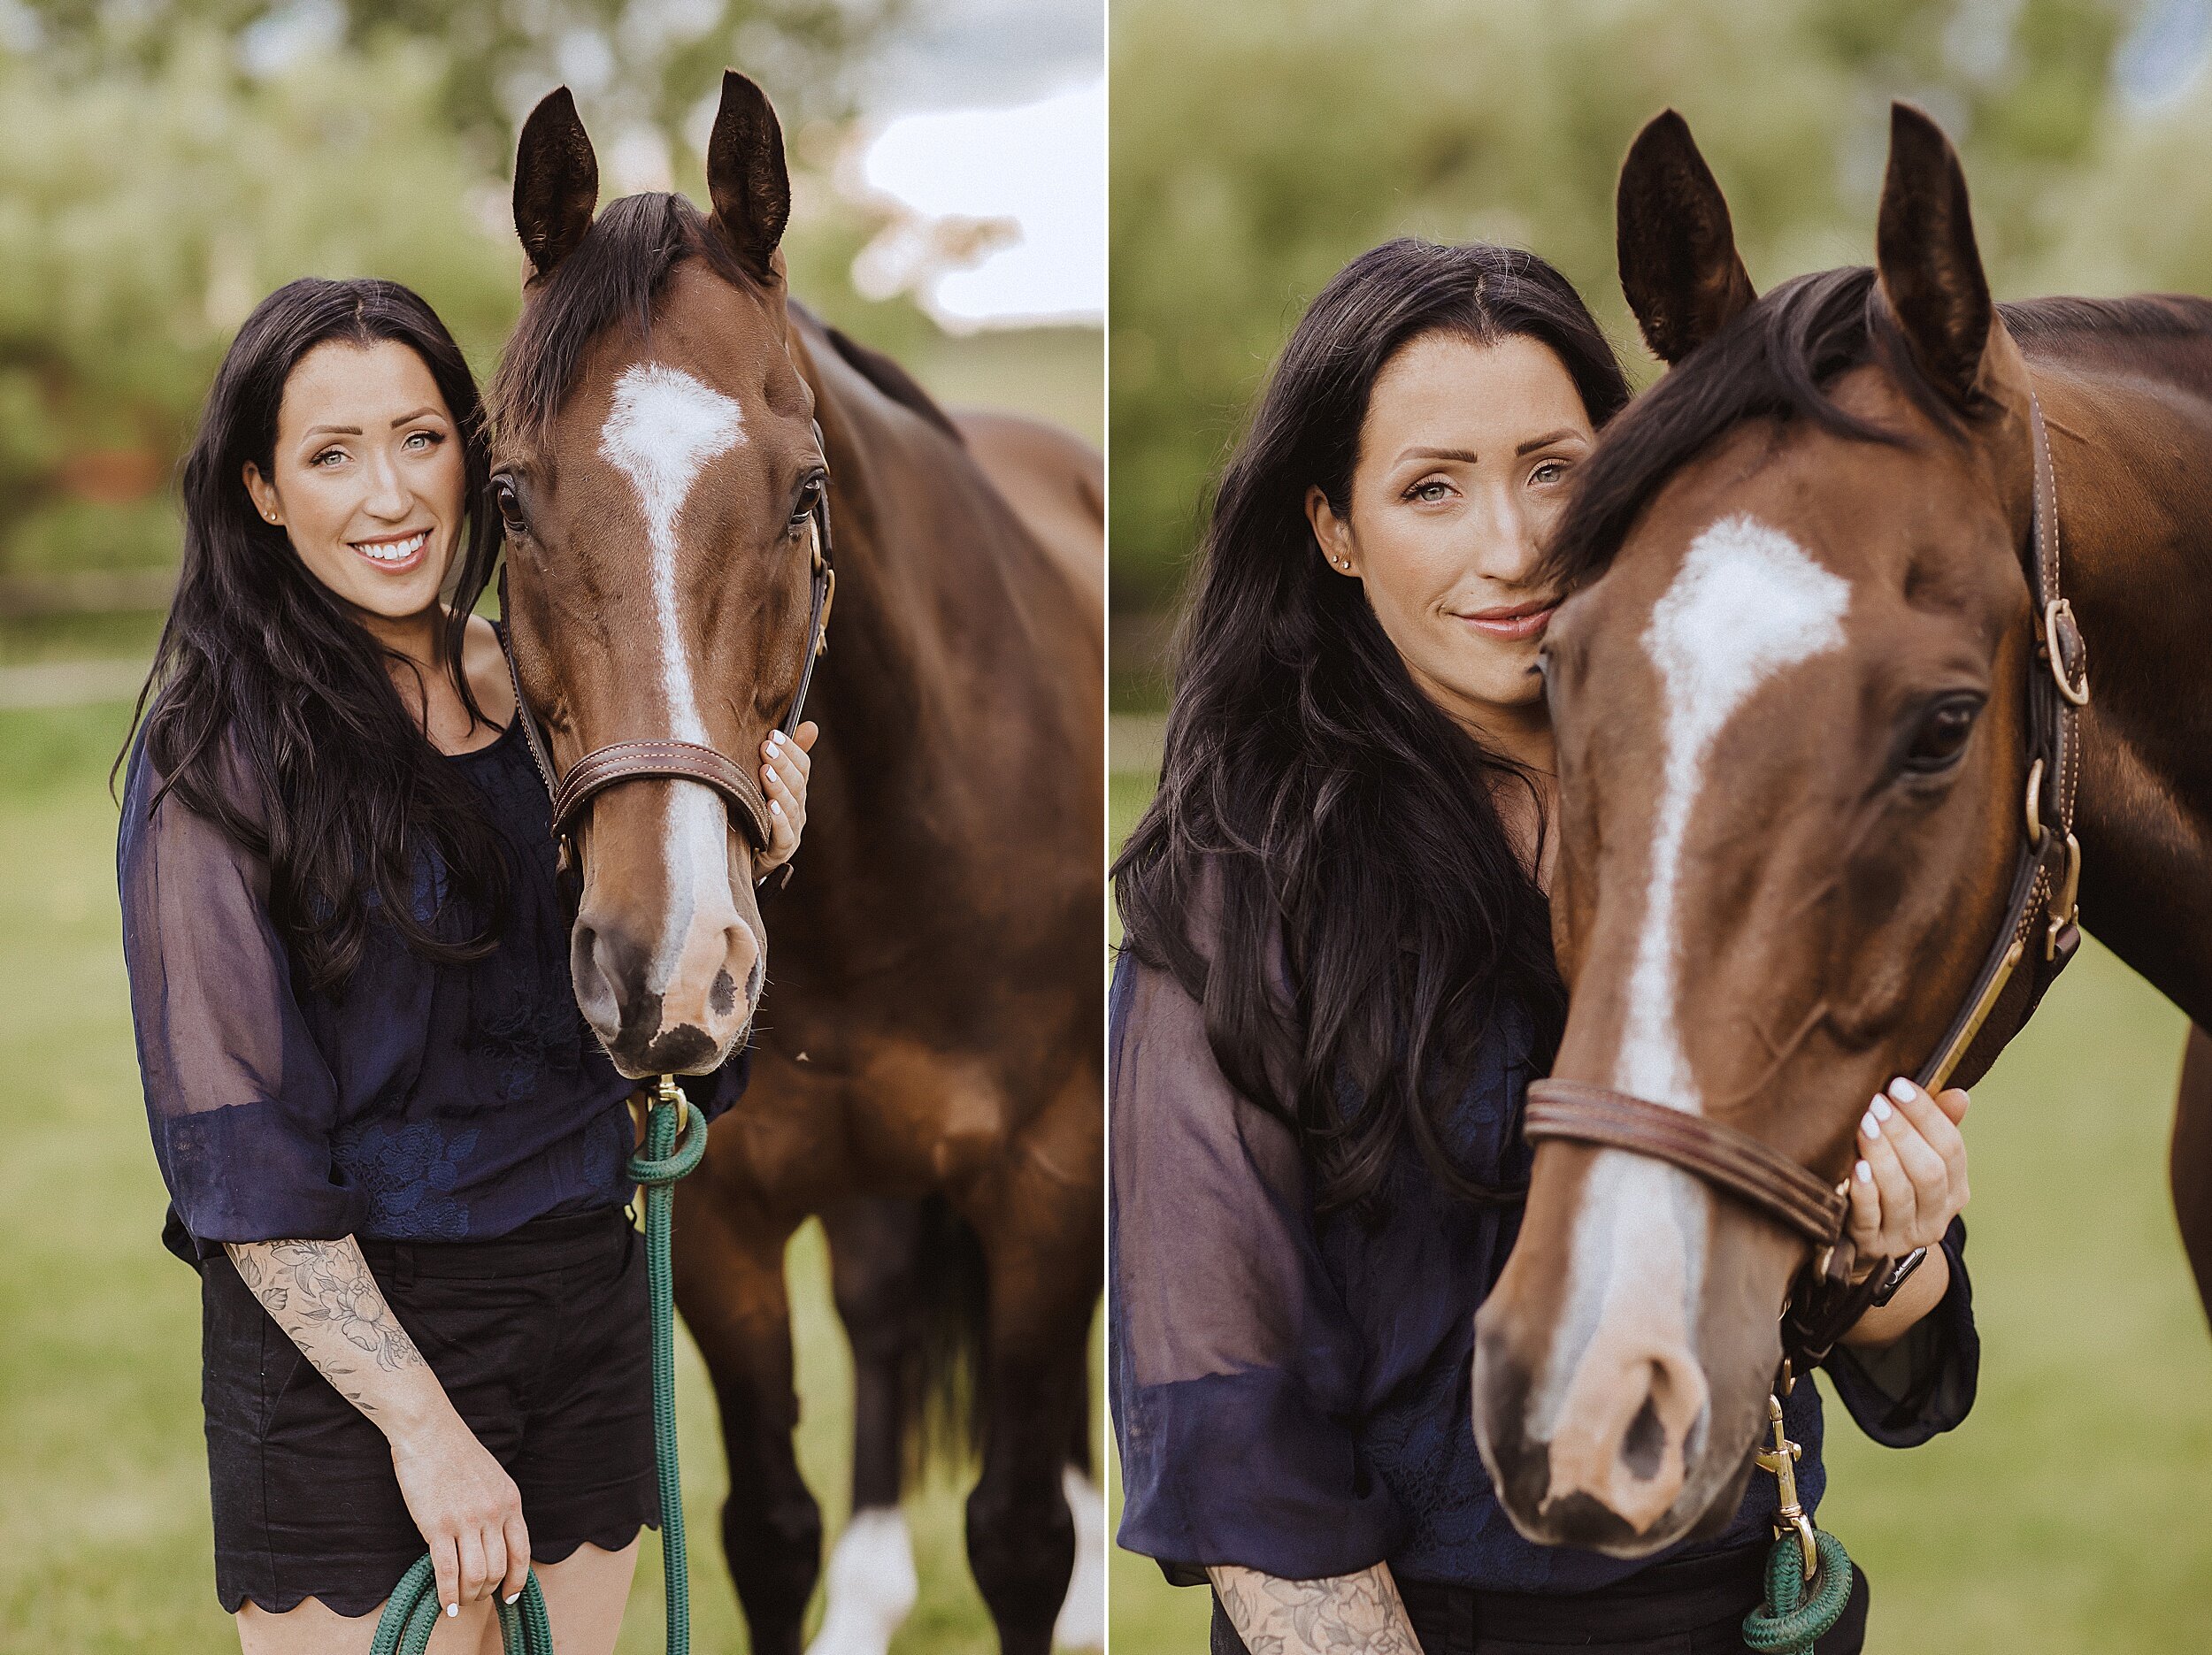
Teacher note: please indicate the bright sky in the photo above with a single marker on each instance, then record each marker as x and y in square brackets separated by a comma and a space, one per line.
[1040, 165]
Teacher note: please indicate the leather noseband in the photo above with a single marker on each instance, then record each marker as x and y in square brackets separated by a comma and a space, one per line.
[2041, 911]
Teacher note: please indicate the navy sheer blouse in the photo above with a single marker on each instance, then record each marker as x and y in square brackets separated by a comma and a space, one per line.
[423, 1101]
[1292, 1395]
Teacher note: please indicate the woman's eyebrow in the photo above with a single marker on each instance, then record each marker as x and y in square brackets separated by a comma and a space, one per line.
[331, 431]
[1468, 455]
[1546, 440]
[410, 418]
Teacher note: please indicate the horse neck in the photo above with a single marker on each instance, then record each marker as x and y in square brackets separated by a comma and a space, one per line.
[933, 575]
[2132, 446]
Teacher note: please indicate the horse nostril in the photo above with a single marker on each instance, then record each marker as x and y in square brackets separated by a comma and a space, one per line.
[1644, 1441]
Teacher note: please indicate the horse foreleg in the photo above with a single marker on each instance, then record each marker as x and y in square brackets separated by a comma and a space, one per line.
[730, 1285]
[1039, 1224]
[875, 1272]
[2189, 1164]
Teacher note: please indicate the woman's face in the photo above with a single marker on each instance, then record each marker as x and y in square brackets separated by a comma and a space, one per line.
[1463, 462]
[369, 478]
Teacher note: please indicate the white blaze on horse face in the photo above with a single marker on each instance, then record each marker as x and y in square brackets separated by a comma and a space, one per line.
[663, 429]
[1747, 604]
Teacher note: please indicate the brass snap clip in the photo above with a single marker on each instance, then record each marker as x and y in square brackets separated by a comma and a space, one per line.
[1781, 1462]
[666, 1090]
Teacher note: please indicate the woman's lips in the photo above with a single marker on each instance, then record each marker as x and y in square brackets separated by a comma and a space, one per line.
[394, 554]
[1522, 620]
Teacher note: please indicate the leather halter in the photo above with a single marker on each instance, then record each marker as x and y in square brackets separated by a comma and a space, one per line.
[665, 758]
[2040, 925]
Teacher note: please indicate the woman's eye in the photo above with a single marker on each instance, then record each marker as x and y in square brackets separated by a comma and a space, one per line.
[1429, 493]
[1941, 737]
[327, 457]
[420, 440]
[1549, 472]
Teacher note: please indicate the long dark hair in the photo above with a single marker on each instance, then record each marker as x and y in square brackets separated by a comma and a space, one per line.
[1321, 812]
[272, 709]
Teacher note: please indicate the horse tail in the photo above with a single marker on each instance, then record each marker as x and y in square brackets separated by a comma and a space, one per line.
[944, 1396]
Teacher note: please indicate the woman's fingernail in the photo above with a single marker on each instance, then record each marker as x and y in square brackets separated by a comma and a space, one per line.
[1869, 1125]
[512, 1596]
[451, 1610]
[774, 808]
[1866, 1172]
[1901, 1089]
[1882, 1111]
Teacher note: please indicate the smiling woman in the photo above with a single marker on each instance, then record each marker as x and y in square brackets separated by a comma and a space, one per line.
[385, 1127]
[1339, 981]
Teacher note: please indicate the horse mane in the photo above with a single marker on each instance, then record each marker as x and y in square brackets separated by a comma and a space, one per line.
[1776, 361]
[885, 374]
[618, 272]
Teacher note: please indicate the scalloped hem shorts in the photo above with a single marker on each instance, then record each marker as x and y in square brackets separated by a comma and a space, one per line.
[541, 1339]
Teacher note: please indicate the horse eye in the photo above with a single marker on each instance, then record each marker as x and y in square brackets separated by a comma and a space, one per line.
[810, 497]
[509, 507]
[1941, 737]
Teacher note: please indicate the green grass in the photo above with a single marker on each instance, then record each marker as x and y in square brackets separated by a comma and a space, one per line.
[2067, 1515]
[104, 1544]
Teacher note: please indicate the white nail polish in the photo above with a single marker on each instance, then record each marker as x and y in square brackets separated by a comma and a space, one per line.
[452, 1610]
[512, 1596]
[1871, 1127]
[1882, 1111]
[774, 808]
[1901, 1089]
[1866, 1172]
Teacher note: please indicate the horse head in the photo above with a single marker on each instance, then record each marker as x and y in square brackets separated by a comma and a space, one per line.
[660, 475]
[1790, 699]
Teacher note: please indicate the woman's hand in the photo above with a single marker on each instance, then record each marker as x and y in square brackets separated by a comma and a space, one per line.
[1910, 1179]
[783, 779]
[467, 1508]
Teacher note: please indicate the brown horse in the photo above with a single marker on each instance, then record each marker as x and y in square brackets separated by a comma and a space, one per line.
[1789, 697]
[666, 423]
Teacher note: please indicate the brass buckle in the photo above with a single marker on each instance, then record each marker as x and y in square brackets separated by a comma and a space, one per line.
[2052, 611]
[2035, 805]
[1780, 1462]
[829, 600]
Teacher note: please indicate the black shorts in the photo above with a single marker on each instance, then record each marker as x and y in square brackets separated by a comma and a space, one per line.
[1685, 1606]
[541, 1339]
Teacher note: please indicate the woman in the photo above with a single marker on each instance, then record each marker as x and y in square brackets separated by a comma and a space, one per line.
[393, 1148]
[1336, 980]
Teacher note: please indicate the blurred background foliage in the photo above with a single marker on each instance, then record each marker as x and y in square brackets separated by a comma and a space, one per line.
[166, 164]
[1255, 148]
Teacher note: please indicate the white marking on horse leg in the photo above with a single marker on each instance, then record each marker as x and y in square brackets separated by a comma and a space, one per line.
[870, 1586]
[661, 431]
[1082, 1623]
[1746, 603]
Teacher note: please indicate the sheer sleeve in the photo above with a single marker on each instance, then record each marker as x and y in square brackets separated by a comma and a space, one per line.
[1923, 1383]
[241, 1102]
[1235, 1365]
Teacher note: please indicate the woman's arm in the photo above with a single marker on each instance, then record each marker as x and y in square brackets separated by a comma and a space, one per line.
[468, 1507]
[1350, 1614]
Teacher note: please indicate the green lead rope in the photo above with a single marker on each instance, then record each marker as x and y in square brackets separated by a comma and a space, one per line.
[410, 1615]
[1789, 1622]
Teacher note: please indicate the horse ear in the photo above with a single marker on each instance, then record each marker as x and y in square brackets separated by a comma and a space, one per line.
[1679, 267]
[1931, 270]
[745, 177]
[557, 183]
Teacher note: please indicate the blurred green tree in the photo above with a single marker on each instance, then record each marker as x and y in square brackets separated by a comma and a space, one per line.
[636, 66]
[1257, 148]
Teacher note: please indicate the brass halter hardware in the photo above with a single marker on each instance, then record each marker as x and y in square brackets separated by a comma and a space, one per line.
[1781, 1461]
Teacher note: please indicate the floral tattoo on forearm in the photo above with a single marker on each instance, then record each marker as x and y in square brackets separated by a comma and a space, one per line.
[1349, 1614]
[314, 1289]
